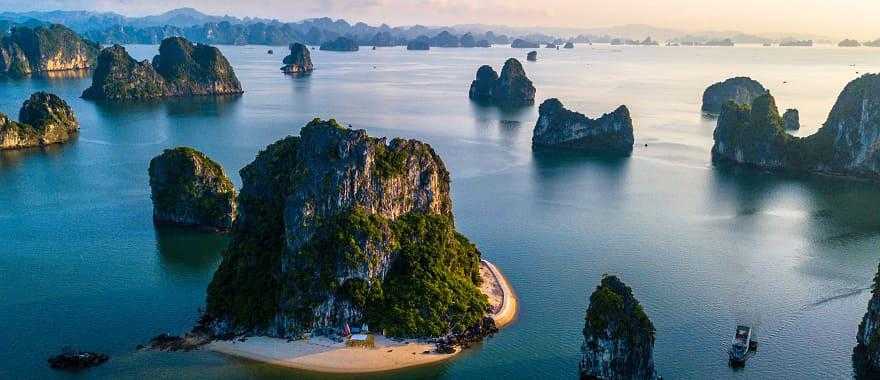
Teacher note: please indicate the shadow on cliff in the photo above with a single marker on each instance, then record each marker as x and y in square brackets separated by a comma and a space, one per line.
[186, 253]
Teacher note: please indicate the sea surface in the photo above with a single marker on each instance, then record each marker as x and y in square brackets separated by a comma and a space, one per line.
[703, 247]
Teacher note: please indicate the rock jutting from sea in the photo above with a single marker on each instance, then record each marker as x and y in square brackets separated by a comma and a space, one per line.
[299, 61]
[568, 45]
[618, 335]
[190, 189]
[340, 44]
[867, 351]
[26, 51]
[180, 69]
[511, 88]
[848, 143]
[740, 90]
[557, 127]
[523, 44]
[44, 119]
[532, 56]
[420, 43]
[336, 227]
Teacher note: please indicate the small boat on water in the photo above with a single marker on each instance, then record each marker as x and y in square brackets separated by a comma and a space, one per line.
[743, 346]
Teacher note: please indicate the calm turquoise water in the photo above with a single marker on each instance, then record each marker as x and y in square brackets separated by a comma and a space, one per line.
[704, 248]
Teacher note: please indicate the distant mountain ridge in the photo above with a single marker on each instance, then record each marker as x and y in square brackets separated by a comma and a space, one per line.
[109, 27]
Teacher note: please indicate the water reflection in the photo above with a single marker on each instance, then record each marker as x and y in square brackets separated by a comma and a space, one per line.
[202, 106]
[63, 74]
[483, 111]
[14, 157]
[557, 173]
[185, 253]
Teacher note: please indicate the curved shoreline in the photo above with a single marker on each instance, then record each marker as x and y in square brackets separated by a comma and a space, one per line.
[322, 355]
[509, 302]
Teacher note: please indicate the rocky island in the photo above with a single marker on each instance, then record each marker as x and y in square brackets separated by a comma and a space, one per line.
[849, 43]
[340, 44]
[523, 44]
[848, 143]
[180, 69]
[557, 127]
[190, 189]
[512, 88]
[867, 352]
[532, 56]
[741, 90]
[421, 43]
[338, 229]
[568, 45]
[618, 335]
[26, 51]
[44, 119]
[299, 61]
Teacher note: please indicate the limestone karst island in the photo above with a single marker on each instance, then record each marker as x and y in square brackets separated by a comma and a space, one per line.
[593, 189]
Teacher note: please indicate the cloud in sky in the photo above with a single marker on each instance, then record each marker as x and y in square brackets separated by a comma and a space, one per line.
[836, 18]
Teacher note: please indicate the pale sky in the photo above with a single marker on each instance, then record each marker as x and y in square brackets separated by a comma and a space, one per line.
[835, 18]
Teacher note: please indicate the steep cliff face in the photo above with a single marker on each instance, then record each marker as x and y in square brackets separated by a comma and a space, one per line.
[848, 143]
[54, 48]
[791, 120]
[299, 61]
[611, 134]
[180, 69]
[194, 69]
[45, 119]
[740, 90]
[336, 226]
[618, 335]
[868, 349]
[483, 86]
[511, 88]
[751, 134]
[190, 189]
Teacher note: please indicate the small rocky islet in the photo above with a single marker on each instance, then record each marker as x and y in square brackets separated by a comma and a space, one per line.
[44, 119]
[532, 56]
[336, 227]
[511, 88]
[740, 90]
[190, 189]
[299, 61]
[558, 127]
[618, 335]
[848, 143]
[74, 360]
[25, 51]
[180, 69]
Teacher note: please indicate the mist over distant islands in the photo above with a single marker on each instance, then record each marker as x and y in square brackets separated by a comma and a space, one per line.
[109, 28]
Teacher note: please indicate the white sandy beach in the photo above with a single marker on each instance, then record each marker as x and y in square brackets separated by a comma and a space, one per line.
[323, 355]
